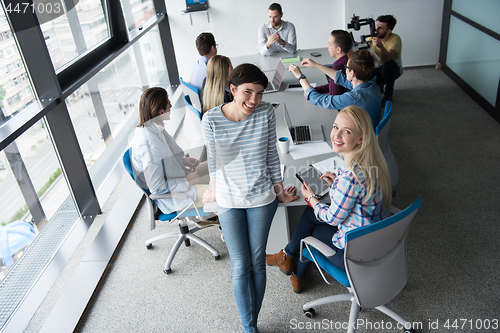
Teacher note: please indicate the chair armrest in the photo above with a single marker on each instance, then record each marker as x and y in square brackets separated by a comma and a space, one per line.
[174, 195]
[320, 246]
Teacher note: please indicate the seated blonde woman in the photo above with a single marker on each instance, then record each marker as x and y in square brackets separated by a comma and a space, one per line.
[214, 90]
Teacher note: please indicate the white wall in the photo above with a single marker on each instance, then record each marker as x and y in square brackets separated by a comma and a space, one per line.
[234, 24]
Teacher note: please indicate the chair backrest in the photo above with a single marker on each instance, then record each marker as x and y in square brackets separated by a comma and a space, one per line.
[192, 128]
[382, 132]
[375, 258]
[128, 167]
[187, 101]
[192, 92]
[386, 120]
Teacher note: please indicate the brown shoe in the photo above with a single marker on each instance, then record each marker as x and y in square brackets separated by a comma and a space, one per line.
[282, 260]
[297, 283]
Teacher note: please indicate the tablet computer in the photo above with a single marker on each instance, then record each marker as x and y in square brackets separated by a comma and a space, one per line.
[311, 177]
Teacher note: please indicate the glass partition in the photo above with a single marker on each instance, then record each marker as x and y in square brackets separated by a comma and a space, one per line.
[480, 68]
[484, 12]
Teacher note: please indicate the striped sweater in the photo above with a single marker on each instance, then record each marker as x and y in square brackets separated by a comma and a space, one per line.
[242, 157]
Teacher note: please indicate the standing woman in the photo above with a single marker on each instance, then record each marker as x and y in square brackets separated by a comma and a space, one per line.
[246, 181]
[360, 194]
[214, 90]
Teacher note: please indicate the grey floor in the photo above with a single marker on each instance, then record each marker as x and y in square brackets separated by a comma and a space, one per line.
[447, 148]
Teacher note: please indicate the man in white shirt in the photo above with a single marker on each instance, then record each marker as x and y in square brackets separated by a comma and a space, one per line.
[276, 35]
[207, 48]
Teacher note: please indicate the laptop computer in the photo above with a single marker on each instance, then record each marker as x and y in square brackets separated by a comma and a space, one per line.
[275, 84]
[304, 133]
[196, 5]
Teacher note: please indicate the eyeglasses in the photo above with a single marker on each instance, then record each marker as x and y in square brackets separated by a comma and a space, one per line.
[347, 67]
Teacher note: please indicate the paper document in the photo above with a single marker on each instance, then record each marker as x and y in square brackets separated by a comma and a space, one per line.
[289, 60]
[309, 149]
[330, 164]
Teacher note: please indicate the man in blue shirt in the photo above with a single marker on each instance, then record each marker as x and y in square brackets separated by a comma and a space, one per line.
[362, 92]
[207, 48]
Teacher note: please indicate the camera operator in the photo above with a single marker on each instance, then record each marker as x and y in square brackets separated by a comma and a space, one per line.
[387, 45]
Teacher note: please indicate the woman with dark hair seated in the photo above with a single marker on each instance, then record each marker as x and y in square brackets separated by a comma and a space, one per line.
[158, 162]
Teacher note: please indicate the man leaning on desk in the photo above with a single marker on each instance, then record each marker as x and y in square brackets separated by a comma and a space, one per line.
[276, 35]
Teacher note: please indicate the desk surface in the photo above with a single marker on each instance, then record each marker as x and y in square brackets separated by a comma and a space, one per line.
[267, 63]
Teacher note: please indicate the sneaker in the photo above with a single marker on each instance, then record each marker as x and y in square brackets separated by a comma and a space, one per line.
[297, 284]
[282, 260]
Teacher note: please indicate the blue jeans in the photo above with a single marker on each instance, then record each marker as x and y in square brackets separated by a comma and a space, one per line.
[246, 231]
[310, 226]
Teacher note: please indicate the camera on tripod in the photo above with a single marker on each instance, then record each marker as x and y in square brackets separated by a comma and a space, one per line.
[356, 24]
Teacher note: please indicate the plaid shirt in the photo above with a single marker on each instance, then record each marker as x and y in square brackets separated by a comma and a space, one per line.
[347, 210]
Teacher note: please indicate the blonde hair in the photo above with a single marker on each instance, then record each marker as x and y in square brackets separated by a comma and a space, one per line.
[369, 157]
[216, 82]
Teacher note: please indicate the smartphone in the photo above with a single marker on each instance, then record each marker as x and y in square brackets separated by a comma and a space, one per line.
[315, 54]
[294, 85]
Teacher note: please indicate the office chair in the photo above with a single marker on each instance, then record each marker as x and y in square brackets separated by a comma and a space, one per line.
[375, 262]
[185, 233]
[192, 92]
[187, 101]
[192, 129]
[382, 132]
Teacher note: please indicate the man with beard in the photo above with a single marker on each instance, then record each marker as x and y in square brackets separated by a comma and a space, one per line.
[276, 35]
[387, 45]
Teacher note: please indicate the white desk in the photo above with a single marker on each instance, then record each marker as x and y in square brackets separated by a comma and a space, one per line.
[301, 112]
[269, 62]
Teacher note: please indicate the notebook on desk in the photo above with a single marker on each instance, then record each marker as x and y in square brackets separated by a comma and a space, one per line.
[275, 84]
[304, 133]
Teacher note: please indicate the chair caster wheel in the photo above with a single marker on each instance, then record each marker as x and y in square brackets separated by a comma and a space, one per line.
[410, 331]
[149, 246]
[187, 242]
[167, 271]
[216, 257]
[310, 313]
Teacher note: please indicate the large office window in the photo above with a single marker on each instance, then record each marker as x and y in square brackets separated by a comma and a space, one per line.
[470, 49]
[15, 89]
[137, 12]
[73, 33]
[69, 93]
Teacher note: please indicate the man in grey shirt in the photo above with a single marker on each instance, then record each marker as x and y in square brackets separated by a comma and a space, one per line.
[276, 35]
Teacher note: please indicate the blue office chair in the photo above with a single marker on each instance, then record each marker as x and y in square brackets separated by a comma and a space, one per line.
[187, 101]
[192, 92]
[382, 132]
[375, 262]
[185, 233]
